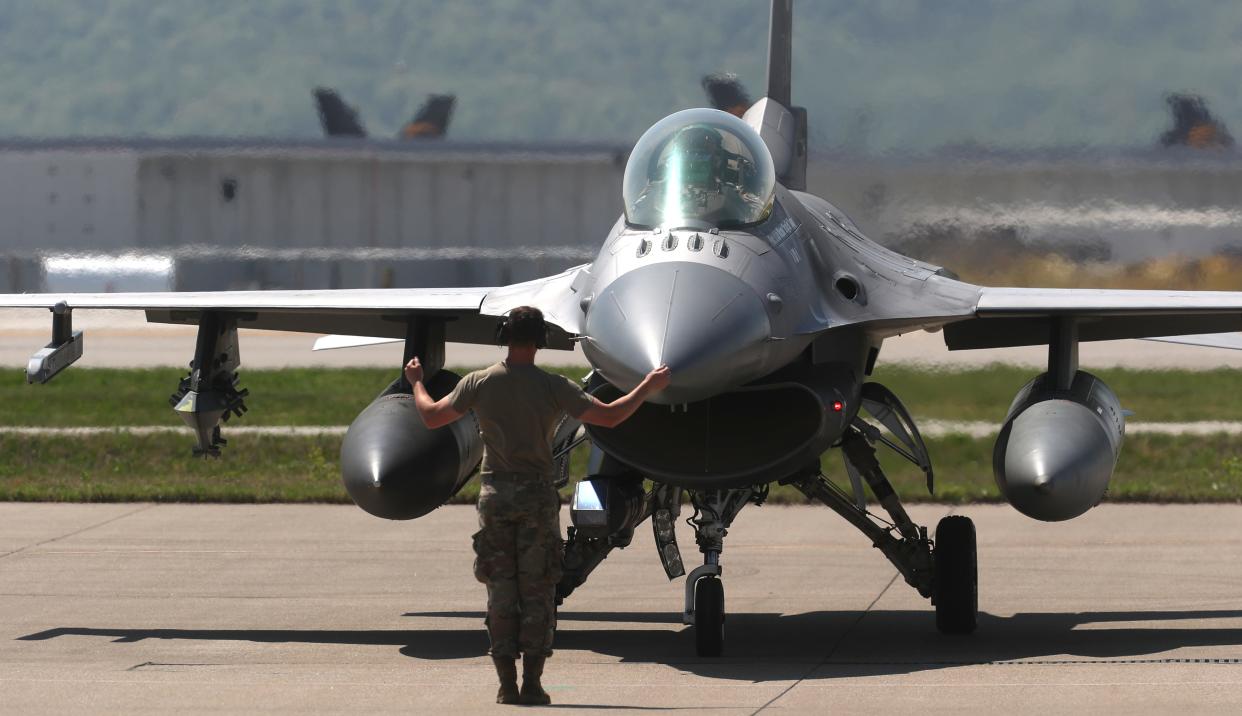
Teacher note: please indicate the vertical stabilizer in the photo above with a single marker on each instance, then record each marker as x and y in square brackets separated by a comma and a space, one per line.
[726, 93]
[780, 52]
[781, 125]
[337, 118]
[432, 119]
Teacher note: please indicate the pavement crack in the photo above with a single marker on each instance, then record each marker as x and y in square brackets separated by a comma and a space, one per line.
[840, 640]
[108, 521]
[836, 645]
[174, 664]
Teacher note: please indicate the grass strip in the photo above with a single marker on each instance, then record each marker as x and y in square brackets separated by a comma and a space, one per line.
[121, 467]
[327, 396]
[985, 393]
[118, 396]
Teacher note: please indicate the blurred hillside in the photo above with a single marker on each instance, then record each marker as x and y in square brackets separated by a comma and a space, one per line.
[876, 76]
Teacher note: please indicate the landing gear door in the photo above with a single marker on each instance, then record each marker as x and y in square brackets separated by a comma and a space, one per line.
[567, 436]
[887, 408]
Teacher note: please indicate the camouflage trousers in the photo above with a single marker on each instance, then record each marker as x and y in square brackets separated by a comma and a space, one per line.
[518, 556]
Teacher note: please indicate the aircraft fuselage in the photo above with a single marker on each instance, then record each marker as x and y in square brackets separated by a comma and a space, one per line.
[735, 314]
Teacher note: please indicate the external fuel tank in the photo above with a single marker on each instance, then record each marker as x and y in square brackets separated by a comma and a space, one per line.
[1057, 449]
[396, 468]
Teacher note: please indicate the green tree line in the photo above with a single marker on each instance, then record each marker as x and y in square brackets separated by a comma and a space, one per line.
[876, 76]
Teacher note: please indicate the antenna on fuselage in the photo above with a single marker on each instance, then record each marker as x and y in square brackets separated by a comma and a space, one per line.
[782, 126]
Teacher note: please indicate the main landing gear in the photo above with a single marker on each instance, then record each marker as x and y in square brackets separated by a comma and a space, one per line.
[943, 570]
[956, 590]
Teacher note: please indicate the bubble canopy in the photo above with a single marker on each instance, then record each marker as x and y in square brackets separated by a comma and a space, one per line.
[698, 169]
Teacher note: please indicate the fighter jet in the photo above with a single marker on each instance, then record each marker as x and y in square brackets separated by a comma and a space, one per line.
[770, 306]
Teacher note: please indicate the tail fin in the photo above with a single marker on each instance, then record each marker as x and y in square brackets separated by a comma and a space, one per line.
[1193, 125]
[782, 126]
[780, 53]
[726, 93]
[432, 119]
[337, 118]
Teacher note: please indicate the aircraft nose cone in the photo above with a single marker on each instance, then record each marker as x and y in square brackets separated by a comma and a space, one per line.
[707, 325]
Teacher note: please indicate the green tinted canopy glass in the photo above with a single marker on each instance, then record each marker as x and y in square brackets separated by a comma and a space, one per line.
[700, 168]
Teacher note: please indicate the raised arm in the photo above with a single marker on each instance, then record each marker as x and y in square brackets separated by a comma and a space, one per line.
[610, 415]
[435, 413]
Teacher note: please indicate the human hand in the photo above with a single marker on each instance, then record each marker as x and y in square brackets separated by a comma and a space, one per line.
[658, 379]
[414, 371]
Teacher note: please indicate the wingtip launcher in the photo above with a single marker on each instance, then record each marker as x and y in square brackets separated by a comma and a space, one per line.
[64, 350]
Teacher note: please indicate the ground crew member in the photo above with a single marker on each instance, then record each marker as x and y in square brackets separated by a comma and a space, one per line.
[518, 545]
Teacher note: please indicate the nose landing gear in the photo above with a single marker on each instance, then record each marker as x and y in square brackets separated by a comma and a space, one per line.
[714, 511]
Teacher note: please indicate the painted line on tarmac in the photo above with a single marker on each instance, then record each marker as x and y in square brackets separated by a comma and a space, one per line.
[277, 430]
[983, 429]
[929, 428]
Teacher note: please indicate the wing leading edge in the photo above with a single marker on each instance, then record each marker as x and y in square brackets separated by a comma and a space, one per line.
[1006, 317]
[382, 313]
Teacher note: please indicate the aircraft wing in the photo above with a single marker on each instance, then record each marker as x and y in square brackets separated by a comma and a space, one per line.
[1231, 341]
[1019, 316]
[470, 312]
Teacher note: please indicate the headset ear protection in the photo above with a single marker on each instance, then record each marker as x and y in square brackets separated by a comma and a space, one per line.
[504, 331]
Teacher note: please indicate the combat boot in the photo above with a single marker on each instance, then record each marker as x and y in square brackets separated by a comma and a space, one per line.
[506, 669]
[532, 691]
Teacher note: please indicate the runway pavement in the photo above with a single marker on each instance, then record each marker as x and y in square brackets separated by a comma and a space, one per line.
[131, 608]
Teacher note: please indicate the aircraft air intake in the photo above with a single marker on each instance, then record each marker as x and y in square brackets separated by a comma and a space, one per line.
[1057, 449]
[762, 432]
[394, 467]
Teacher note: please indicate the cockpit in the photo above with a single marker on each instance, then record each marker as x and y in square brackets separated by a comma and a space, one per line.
[699, 169]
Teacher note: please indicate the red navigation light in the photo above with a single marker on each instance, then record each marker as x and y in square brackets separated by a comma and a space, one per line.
[837, 406]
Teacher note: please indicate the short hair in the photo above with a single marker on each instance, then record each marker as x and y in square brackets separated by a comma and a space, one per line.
[526, 326]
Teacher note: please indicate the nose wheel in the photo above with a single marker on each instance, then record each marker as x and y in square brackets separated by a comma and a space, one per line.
[714, 511]
[709, 616]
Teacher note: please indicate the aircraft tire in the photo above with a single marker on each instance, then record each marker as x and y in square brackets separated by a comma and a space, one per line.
[709, 617]
[956, 594]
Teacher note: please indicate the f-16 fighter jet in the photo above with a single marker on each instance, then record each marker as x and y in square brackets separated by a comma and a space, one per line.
[771, 308]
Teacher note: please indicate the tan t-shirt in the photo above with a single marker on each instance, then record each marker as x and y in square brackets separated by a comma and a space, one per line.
[518, 408]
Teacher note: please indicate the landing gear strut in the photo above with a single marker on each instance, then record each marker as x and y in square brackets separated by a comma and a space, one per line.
[714, 511]
[946, 573]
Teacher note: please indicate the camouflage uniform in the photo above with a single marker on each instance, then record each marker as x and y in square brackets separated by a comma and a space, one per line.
[518, 556]
[518, 545]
